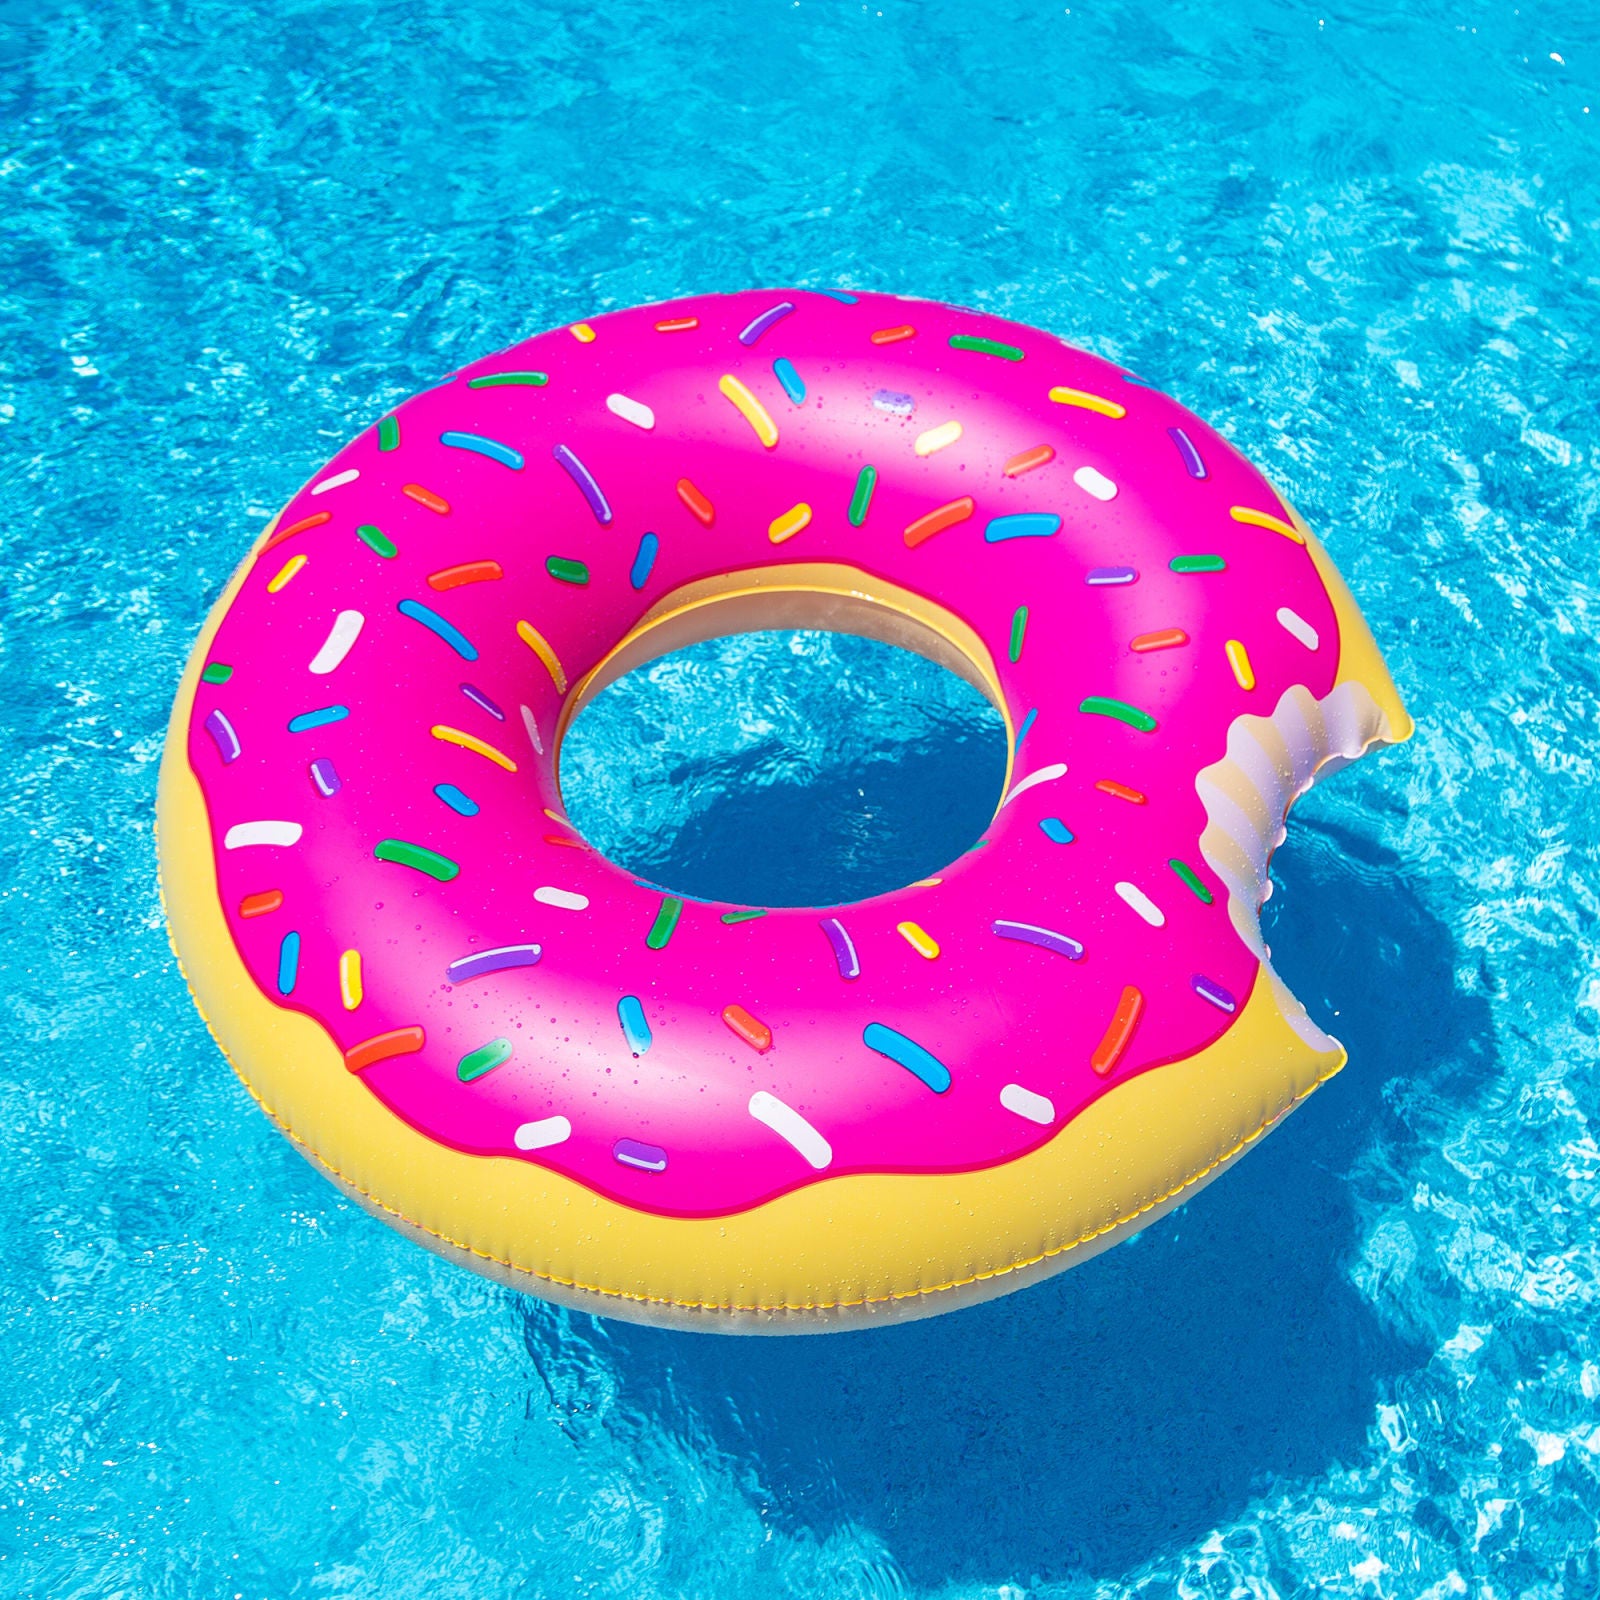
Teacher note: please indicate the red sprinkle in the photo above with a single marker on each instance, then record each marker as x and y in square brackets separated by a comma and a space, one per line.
[697, 502]
[937, 520]
[1161, 639]
[1120, 790]
[677, 324]
[426, 497]
[561, 838]
[381, 1046]
[1028, 460]
[751, 1029]
[467, 572]
[258, 905]
[894, 335]
[315, 520]
[1115, 1039]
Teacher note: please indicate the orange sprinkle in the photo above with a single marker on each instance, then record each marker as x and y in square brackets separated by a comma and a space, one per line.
[752, 1030]
[1115, 1039]
[1120, 790]
[258, 905]
[1161, 639]
[937, 520]
[561, 838]
[381, 1046]
[894, 335]
[677, 324]
[315, 520]
[467, 572]
[1028, 460]
[426, 497]
[697, 502]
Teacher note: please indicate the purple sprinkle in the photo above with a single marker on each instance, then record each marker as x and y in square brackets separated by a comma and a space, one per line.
[1210, 990]
[584, 479]
[227, 741]
[892, 401]
[844, 952]
[1186, 449]
[326, 779]
[479, 698]
[646, 1157]
[508, 955]
[1027, 933]
[1102, 575]
[759, 327]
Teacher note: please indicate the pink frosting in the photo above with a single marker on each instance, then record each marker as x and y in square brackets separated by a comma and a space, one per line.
[703, 1120]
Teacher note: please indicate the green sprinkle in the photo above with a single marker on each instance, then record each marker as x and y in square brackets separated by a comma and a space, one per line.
[742, 916]
[418, 856]
[377, 539]
[566, 571]
[861, 500]
[1019, 629]
[971, 847]
[1199, 564]
[1188, 876]
[389, 433]
[216, 672]
[666, 921]
[1098, 706]
[985, 347]
[498, 380]
[484, 1059]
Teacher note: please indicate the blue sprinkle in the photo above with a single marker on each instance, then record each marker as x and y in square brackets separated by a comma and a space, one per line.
[1027, 723]
[432, 621]
[644, 561]
[907, 1053]
[1025, 525]
[288, 963]
[325, 777]
[307, 720]
[1055, 830]
[475, 442]
[1138, 383]
[840, 295]
[793, 384]
[634, 1027]
[457, 801]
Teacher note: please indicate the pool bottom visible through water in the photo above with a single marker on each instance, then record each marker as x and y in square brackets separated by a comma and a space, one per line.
[785, 768]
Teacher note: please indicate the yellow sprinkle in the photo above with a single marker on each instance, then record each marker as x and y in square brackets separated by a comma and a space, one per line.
[750, 409]
[286, 574]
[927, 883]
[790, 523]
[540, 646]
[555, 816]
[469, 741]
[918, 940]
[1089, 402]
[583, 333]
[938, 438]
[1264, 519]
[350, 979]
[1239, 660]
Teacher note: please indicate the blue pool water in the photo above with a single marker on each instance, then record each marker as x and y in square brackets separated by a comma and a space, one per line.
[1362, 238]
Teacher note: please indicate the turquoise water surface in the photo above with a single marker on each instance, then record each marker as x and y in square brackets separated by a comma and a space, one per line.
[1362, 239]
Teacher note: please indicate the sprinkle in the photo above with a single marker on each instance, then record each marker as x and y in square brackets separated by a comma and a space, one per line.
[259, 904]
[505, 958]
[1101, 577]
[1198, 564]
[565, 571]
[1044, 938]
[426, 497]
[350, 989]
[1027, 460]
[216, 672]
[542, 1134]
[337, 481]
[389, 433]
[1210, 989]
[1099, 706]
[1265, 519]
[461, 804]
[582, 332]
[766, 320]
[1055, 830]
[1081, 398]
[937, 520]
[792, 383]
[790, 523]
[480, 699]
[434, 623]
[985, 347]
[742, 916]
[907, 1053]
[844, 297]
[223, 736]
[540, 646]
[703, 509]
[244, 834]
[320, 718]
[496, 380]
[677, 324]
[326, 777]
[288, 962]
[479, 445]
[894, 402]
[341, 638]
[635, 1029]
[1239, 660]
[1019, 631]
[927, 883]
[315, 520]
[644, 559]
[1027, 722]
[1118, 1032]
[792, 1128]
[666, 921]
[466, 572]
[844, 950]
[285, 574]
[646, 1157]
[584, 479]
[634, 411]
[1161, 639]
[937, 438]
[1120, 791]
[565, 899]
[469, 741]
[384, 1047]
[1043, 775]
[894, 335]
[376, 539]
[530, 726]
[1135, 898]
[861, 495]
[1191, 457]
[752, 1030]
[1023, 525]
[1290, 621]
[751, 409]
[418, 857]
[923, 943]
[1025, 1103]
[1092, 481]
[484, 1059]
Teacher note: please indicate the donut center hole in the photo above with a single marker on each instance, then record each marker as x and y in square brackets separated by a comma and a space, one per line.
[785, 767]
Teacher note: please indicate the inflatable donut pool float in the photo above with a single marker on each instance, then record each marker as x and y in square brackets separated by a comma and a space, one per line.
[744, 1117]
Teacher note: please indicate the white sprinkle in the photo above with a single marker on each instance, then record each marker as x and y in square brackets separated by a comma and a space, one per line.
[1095, 482]
[541, 1135]
[342, 635]
[788, 1124]
[1043, 775]
[337, 481]
[1294, 623]
[634, 411]
[533, 731]
[1025, 1103]
[1143, 904]
[565, 898]
[247, 833]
